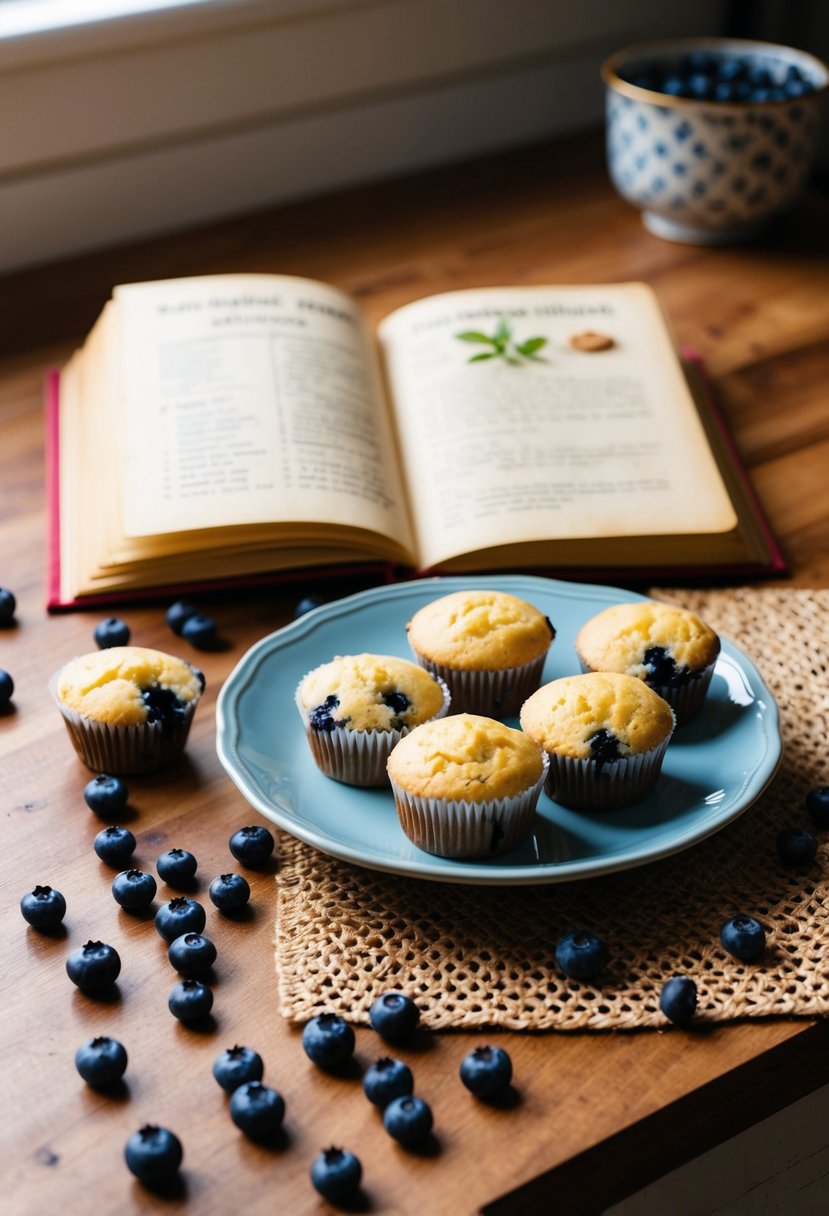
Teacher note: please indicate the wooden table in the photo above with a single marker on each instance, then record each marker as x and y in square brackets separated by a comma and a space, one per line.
[600, 1114]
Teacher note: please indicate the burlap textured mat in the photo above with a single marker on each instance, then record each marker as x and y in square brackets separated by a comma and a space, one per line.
[483, 956]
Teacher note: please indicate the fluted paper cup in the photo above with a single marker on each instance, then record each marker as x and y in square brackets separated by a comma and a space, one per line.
[492, 693]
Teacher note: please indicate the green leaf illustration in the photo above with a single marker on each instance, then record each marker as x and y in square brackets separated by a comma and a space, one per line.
[513, 353]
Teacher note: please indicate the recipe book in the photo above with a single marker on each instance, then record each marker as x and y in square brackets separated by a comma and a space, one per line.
[244, 427]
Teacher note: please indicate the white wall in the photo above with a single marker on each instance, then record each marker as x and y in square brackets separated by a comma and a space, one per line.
[117, 129]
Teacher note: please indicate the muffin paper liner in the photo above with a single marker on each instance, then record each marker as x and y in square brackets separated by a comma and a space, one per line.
[686, 700]
[492, 693]
[459, 828]
[587, 785]
[358, 757]
[124, 750]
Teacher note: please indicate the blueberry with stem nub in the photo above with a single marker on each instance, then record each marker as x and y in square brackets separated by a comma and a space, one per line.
[115, 845]
[486, 1071]
[581, 955]
[678, 999]
[229, 892]
[179, 915]
[252, 846]
[817, 805]
[6, 688]
[743, 937]
[257, 1110]
[153, 1154]
[134, 890]
[200, 631]
[387, 1079]
[93, 967]
[190, 1001]
[336, 1174]
[8, 606]
[408, 1120]
[236, 1066]
[796, 847]
[111, 632]
[394, 1016]
[178, 613]
[177, 867]
[106, 795]
[43, 908]
[192, 954]
[328, 1040]
[101, 1061]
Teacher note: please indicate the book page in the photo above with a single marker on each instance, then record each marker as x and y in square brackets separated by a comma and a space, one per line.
[249, 399]
[512, 435]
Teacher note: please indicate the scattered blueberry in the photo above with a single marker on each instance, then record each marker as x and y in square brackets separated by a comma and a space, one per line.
[200, 631]
[115, 845]
[178, 613]
[252, 846]
[106, 795]
[192, 954]
[387, 1079]
[101, 1062]
[93, 967]
[6, 688]
[8, 606]
[153, 1154]
[328, 1040]
[486, 1071]
[229, 892]
[43, 908]
[796, 847]
[321, 717]
[581, 955]
[336, 1174]
[394, 1016]
[237, 1066]
[307, 604]
[177, 867]
[180, 915]
[190, 1000]
[134, 890]
[111, 632]
[604, 747]
[408, 1120]
[257, 1110]
[743, 937]
[817, 804]
[678, 999]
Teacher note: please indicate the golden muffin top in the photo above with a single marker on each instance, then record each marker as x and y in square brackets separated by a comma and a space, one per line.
[109, 685]
[466, 756]
[480, 631]
[645, 638]
[567, 714]
[368, 692]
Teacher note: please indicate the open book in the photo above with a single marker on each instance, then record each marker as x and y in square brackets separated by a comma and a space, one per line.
[230, 426]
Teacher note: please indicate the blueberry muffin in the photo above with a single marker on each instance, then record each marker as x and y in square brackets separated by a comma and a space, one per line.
[605, 734]
[669, 648]
[488, 646]
[127, 709]
[466, 786]
[356, 707]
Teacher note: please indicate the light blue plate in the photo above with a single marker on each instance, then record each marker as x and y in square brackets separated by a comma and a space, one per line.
[715, 767]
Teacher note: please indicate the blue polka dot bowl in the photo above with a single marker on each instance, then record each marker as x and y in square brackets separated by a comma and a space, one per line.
[710, 138]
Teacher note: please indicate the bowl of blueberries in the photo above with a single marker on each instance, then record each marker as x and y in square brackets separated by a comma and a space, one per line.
[711, 137]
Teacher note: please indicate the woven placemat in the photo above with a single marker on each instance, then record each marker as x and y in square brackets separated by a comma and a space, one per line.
[483, 956]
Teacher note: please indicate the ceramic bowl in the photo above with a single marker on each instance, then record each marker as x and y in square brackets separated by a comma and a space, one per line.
[710, 171]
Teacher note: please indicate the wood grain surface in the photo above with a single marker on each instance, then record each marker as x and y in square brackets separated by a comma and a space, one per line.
[595, 1115]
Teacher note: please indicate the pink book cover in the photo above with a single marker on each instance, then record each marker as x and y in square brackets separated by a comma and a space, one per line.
[377, 572]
